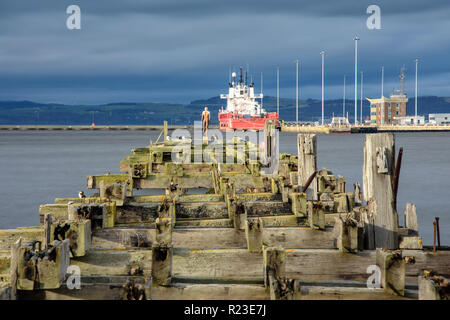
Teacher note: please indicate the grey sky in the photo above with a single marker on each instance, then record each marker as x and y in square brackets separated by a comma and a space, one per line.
[177, 51]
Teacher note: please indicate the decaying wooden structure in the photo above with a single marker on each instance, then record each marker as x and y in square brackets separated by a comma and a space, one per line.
[225, 230]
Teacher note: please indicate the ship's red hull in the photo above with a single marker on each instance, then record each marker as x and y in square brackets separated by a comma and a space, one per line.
[229, 121]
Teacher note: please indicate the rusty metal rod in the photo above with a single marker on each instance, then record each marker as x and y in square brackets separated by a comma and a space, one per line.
[434, 236]
[308, 182]
[438, 234]
[398, 166]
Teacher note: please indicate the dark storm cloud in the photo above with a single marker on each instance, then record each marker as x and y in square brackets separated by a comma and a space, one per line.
[214, 7]
[169, 50]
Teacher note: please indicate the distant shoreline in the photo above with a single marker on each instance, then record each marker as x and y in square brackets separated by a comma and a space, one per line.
[299, 129]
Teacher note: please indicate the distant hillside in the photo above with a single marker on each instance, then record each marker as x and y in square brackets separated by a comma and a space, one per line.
[131, 113]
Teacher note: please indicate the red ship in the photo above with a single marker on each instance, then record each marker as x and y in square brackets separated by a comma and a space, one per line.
[243, 112]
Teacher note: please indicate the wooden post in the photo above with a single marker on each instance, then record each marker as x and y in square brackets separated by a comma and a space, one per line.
[284, 289]
[72, 211]
[307, 161]
[275, 188]
[428, 290]
[162, 264]
[299, 204]
[377, 179]
[240, 215]
[346, 235]
[163, 231]
[47, 230]
[357, 193]
[14, 272]
[166, 131]
[316, 215]
[254, 234]
[341, 203]
[411, 218]
[392, 267]
[274, 260]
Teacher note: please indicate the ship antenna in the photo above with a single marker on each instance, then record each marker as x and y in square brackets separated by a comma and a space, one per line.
[240, 77]
[246, 74]
[262, 90]
[278, 91]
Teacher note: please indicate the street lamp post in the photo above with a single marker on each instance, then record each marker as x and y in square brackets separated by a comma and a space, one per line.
[278, 91]
[343, 100]
[361, 109]
[323, 84]
[296, 91]
[356, 79]
[415, 102]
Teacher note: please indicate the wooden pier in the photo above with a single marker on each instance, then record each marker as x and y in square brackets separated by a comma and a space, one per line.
[296, 233]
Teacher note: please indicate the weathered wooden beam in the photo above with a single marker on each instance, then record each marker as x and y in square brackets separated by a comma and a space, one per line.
[309, 265]
[428, 289]
[283, 289]
[78, 232]
[14, 266]
[393, 271]
[307, 161]
[346, 235]
[316, 215]
[254, 234]
[42, 272]
[161, 264]
[9, 236]
[346, 293]
[299, 207]
[411, 219]
[377, 177]
[213, 238]
[163, 231]
[274, 262]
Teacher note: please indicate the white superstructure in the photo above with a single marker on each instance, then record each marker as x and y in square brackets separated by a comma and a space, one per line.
[241, 98]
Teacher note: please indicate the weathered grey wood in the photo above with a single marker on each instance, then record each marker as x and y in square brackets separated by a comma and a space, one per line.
[9, 236]
[161, 264]
[299, 204]
[316, 215]
[393, 271]
[426, 259]
[368, 216]
[163, 230]
[307, 161]
[411, 218]
[346, 293]
[428, 290]
[283, 289]
[379, 157]
[47, 229]
[346, 235]
[14, 264]
[357, 193]
[305, 264]
[6, 292]
[215, 238]
[410, 242]
[274, 261]
[254, 234]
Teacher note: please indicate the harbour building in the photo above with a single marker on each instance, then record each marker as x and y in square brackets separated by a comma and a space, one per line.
[440, 119]
[383, 111]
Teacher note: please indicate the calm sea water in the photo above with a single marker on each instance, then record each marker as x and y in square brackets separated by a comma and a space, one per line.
[38, 166]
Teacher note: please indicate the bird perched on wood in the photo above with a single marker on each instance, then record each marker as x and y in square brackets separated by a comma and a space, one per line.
[81, 195]
[173, 186]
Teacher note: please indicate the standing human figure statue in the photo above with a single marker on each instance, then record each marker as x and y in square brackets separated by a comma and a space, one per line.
[206, 117]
